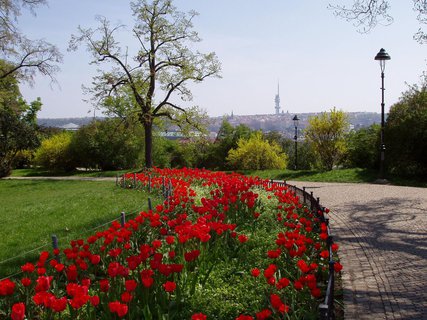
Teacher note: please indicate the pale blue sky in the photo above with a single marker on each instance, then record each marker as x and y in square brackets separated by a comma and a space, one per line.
[320, 61]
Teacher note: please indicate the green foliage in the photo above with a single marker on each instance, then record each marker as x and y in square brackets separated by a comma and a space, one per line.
[307, 158]
[363, 147]
[23, 159]
[213, 155]
[54, 153]
[185, 154]
[17, 123]
[162, 151]
[108, 145]
[257, 154]
[406, 134]
[178, 154]
[326, 133]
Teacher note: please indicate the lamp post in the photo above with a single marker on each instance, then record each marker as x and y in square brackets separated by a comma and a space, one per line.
[295, 119]
[382, 56]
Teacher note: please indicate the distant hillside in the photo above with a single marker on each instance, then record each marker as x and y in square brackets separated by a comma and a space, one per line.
[266, 122]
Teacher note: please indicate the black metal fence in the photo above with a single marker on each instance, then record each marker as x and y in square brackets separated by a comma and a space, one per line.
[326, 309]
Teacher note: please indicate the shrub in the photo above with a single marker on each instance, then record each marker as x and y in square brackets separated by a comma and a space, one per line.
[326, 133]
[23, 159]
[257, 154]
[55, 153]
[363, 147]
[307, 158]
[108, 145]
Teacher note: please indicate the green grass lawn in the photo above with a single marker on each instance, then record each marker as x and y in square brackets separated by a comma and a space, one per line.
[353, 175]
[38, 172]
[32, 210]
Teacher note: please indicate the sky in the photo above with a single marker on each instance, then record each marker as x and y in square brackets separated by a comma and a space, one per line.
[318, 60]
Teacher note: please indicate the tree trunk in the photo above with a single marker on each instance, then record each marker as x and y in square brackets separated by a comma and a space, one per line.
[148, 130]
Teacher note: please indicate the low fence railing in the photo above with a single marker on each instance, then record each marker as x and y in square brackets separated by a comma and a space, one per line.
[326, 309]
[55, 239]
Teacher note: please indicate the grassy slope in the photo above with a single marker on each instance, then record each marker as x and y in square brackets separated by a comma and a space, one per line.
[78, 173]
[32, 210]
[354, 175]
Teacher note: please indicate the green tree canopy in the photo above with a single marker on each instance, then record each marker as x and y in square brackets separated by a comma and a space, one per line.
[326, 133]
[213, 155]
[363, 147]
[406, 133]
[17, 122]
[108, 144]
[159, 74]
[307, 158]
[256, 153]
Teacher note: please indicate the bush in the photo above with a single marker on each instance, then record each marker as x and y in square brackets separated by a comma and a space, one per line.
[23, 159]
[307, 158]
[363, 148]
[107, 145]
[55, 153]
[257, 154]
[326, 133]
[213, 155]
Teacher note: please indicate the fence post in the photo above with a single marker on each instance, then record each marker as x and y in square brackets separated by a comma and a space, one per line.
[311, 200]
[163, 186]
[149, 183]
[122, 218]
[150, 207]
[331, 312]
[323, 311]
[304, 193]
[134, 180]
[55, 247]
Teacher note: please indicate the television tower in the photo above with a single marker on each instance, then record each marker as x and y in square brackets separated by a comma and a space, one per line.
[277, 100]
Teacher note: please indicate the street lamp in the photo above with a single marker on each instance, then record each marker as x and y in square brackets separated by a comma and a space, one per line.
[382, 56]
[295, 119]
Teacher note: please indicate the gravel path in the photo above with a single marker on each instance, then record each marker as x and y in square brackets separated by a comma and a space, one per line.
[382, 233]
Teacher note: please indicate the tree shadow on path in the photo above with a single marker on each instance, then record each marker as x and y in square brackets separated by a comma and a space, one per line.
[392, 234]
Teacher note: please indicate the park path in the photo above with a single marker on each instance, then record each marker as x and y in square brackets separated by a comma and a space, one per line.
[382, 233]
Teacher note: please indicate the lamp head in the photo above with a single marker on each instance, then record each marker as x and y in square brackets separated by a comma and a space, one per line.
[382, 56]
[295, 119]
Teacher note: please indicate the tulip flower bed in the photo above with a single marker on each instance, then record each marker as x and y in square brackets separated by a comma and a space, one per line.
[221, 246]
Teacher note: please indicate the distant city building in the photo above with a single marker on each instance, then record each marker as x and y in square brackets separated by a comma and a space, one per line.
[277, 100]
[70, 127]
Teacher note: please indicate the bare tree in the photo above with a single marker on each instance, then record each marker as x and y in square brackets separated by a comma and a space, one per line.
[367, 14]
[159, 72]
[25, 58]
